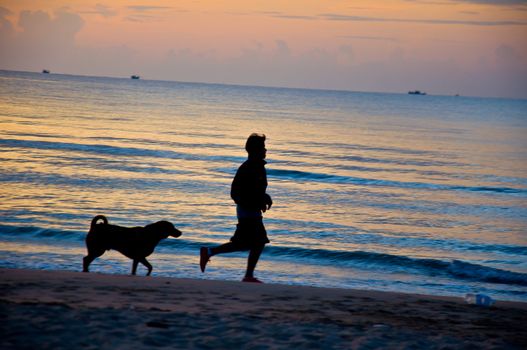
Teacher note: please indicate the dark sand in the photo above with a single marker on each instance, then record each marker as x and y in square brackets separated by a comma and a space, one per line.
[72, 310]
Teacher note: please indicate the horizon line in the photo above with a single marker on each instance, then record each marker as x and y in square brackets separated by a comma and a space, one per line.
[267, 86]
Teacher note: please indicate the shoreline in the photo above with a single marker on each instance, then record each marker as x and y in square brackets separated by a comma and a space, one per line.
[63, 309]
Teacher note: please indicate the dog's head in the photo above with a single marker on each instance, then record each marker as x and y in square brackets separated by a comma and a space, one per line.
[166, 228]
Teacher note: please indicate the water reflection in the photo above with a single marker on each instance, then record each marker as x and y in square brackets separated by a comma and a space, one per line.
[341, 165]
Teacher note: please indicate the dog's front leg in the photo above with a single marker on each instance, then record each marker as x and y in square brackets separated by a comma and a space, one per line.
[134, 266]
[147, 265]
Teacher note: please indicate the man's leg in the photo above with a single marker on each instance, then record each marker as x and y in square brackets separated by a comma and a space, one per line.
[228, 247]
[206, 253]
[252, 260]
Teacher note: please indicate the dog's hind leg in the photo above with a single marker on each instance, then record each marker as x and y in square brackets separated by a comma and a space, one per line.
[87, 260]
[144, 262]
[148, 266]
[134, 266]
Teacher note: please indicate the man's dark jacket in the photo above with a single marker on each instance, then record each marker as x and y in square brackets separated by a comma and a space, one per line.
[249, 185]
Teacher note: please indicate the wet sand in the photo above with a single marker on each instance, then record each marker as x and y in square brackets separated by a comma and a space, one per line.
[73, 310]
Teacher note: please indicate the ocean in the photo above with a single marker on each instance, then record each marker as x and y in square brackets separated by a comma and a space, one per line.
[377, 191]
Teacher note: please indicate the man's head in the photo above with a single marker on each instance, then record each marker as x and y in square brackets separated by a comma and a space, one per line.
[255, 146]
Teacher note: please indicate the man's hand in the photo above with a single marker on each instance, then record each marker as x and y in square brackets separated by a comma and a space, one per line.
[268, 202]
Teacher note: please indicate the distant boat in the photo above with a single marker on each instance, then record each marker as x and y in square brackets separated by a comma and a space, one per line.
[45, 71]
[416, 92]
[135, 77]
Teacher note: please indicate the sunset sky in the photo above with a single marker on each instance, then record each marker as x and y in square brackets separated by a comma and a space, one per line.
[467, 47]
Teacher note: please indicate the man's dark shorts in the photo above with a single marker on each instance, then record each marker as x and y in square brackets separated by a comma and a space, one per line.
[250, 233]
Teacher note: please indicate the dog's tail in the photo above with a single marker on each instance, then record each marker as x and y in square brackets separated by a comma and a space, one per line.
[95, 219]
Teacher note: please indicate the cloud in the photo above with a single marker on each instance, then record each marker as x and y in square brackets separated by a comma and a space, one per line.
[339, 17]
[6, 28]
[145, 8]
[495, 2]
[274, 65]
[102, 10]
[285, 16]
[375, 38]
[39, 27]
[5, 11]
[44, 40]
[507, 56]
[49, 41]
[345, 55]
[276, 14]
[480, 2]
[105, 11]
[348, 18]
[140, 18]
[282, 49]
[344, 67]
[145, 13]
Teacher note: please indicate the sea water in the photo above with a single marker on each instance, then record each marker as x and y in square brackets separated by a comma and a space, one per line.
[395, 192]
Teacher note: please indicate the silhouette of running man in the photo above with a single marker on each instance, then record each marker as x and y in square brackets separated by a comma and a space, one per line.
[248, 192]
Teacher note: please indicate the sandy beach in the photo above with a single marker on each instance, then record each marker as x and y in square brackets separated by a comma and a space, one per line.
[73, 310]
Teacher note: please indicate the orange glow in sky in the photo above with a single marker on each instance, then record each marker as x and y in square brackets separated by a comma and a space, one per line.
[469, 47]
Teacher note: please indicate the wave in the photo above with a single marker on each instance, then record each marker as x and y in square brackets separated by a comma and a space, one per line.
[37, 232]
[349, 148]
[295, 175]
[89, 181]
[359, 238]
[113, 150]
[400, 158]
[341, 179]
[455, 269]
[431, 267]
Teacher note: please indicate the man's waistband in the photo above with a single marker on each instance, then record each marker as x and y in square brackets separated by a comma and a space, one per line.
[244, 213]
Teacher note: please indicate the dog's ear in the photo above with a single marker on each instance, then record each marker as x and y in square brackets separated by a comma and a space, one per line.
[164, 227]
[170, 229]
